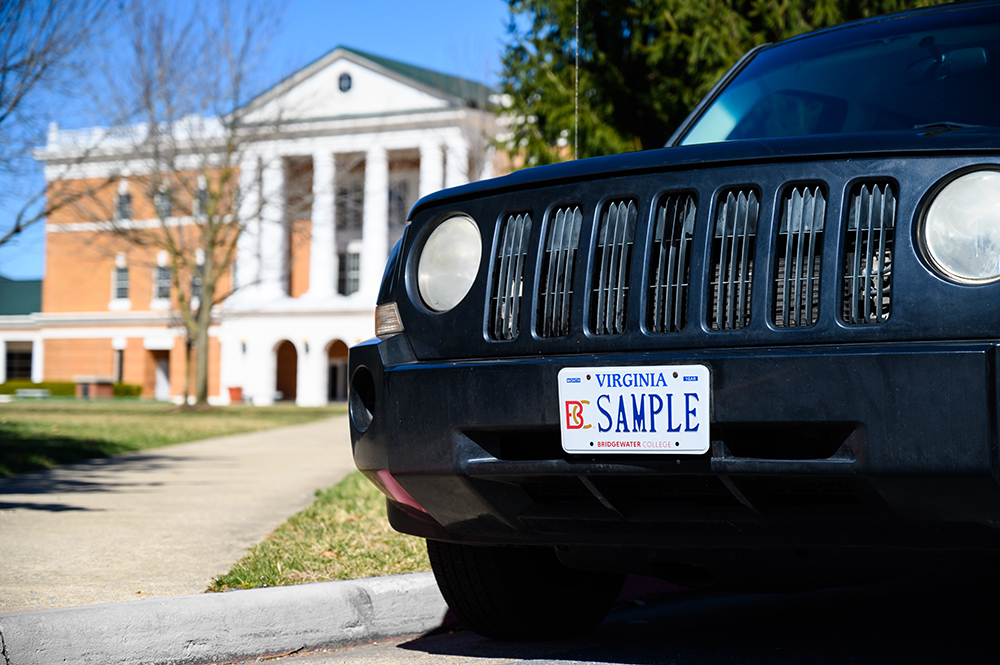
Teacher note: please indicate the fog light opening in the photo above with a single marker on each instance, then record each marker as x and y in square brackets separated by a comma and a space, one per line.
[361, 401]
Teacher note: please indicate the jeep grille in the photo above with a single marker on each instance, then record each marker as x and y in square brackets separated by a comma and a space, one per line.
[799, 256]
[612, 261]
[556, 282]
[670, 263]
[508, 277]
[867, 284]
[732, 259]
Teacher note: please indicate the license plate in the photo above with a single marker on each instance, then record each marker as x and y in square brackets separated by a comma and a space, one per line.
[659, 409]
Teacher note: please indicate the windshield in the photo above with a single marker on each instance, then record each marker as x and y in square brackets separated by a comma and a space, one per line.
[938, 69]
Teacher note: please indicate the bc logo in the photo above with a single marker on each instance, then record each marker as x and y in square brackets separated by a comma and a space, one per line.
[574, 415]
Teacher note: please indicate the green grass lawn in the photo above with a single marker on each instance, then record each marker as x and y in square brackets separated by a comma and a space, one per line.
[36, 434]
[344, 534]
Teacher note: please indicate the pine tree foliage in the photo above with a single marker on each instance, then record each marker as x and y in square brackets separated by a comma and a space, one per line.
[643, 64]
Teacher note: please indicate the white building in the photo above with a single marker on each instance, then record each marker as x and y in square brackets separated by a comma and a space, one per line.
[358, 139]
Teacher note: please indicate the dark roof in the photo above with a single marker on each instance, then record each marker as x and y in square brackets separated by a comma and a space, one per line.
[20, 296]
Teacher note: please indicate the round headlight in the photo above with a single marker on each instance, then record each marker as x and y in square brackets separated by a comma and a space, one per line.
[449, 263]
[961, 232]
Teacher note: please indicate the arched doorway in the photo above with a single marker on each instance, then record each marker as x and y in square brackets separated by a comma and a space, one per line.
[287, 370]
[336, 390]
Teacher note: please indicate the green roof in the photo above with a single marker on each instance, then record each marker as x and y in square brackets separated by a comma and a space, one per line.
[20, 296]
[473, 92]
[469, 92]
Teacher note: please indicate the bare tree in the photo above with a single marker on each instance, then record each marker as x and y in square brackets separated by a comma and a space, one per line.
[179, 81]
[42, 44]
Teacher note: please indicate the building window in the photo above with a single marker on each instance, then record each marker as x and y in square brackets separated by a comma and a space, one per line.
[196, 283]
[123, 206]
[121, 283]
[119, 364]
[18, 360]
[399, 201]
[349, 206]
[201, 202]
[349, 279]
[161, 283]
[345, 82]
[164, 203]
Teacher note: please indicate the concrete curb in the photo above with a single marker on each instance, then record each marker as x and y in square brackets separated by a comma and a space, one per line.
[211, 627]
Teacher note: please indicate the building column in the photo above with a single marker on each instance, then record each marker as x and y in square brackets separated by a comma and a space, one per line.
[376, 222]
[3, 361]
[457, 164]
[322, 275]
[431, 168]
[273, 239]
[37, 360]
[248, 250]
[259, 365]
[311, 373]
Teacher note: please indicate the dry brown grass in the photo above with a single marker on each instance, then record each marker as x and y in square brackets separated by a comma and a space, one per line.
[344, 534]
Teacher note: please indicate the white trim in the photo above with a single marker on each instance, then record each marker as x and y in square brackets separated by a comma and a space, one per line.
[120, 305]
[365, 129]
[328, 60]
[19, 322]
[139, 318]
[159, 343]
[37, 360]
[129, 225]
[111, 333]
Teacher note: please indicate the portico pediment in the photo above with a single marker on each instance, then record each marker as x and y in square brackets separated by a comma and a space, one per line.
[347, 84]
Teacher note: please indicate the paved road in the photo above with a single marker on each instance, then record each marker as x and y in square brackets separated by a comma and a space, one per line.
[905, 622]
[158, 523]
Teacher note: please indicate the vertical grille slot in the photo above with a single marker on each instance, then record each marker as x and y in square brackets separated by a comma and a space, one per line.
[612, 260]
[556, 283]
[670, 267]
[732, 260]
[508, 277]
[867, 288]
[799, 254]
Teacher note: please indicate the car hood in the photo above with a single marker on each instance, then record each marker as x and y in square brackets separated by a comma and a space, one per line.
[943, 139]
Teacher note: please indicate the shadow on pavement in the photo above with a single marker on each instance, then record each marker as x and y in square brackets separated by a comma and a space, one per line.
[46, 507]
[906, 621]
[101, 475]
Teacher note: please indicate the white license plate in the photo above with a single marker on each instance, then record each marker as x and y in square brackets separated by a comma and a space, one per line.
[660, 409]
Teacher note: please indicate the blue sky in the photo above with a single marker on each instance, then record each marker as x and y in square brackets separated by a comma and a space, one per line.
[460, 37]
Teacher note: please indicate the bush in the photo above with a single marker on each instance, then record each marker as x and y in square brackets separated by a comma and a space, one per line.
[55, 388]
[127, 390]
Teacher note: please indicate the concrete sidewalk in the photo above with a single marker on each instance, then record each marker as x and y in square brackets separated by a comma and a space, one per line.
[158, 523]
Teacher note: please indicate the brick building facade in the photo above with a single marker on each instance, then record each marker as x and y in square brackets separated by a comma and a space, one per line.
[360, 139]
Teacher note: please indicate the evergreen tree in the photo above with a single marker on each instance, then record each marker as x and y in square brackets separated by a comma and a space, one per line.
[643, 64]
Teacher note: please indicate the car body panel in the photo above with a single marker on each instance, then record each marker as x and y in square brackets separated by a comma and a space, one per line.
[862, 435]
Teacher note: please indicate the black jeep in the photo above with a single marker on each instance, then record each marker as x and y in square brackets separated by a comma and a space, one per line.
[763, 357]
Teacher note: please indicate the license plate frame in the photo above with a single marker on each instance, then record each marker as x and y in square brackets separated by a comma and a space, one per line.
[645, 409]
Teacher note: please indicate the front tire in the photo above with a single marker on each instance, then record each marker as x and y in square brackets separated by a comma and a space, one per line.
[520, 593]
